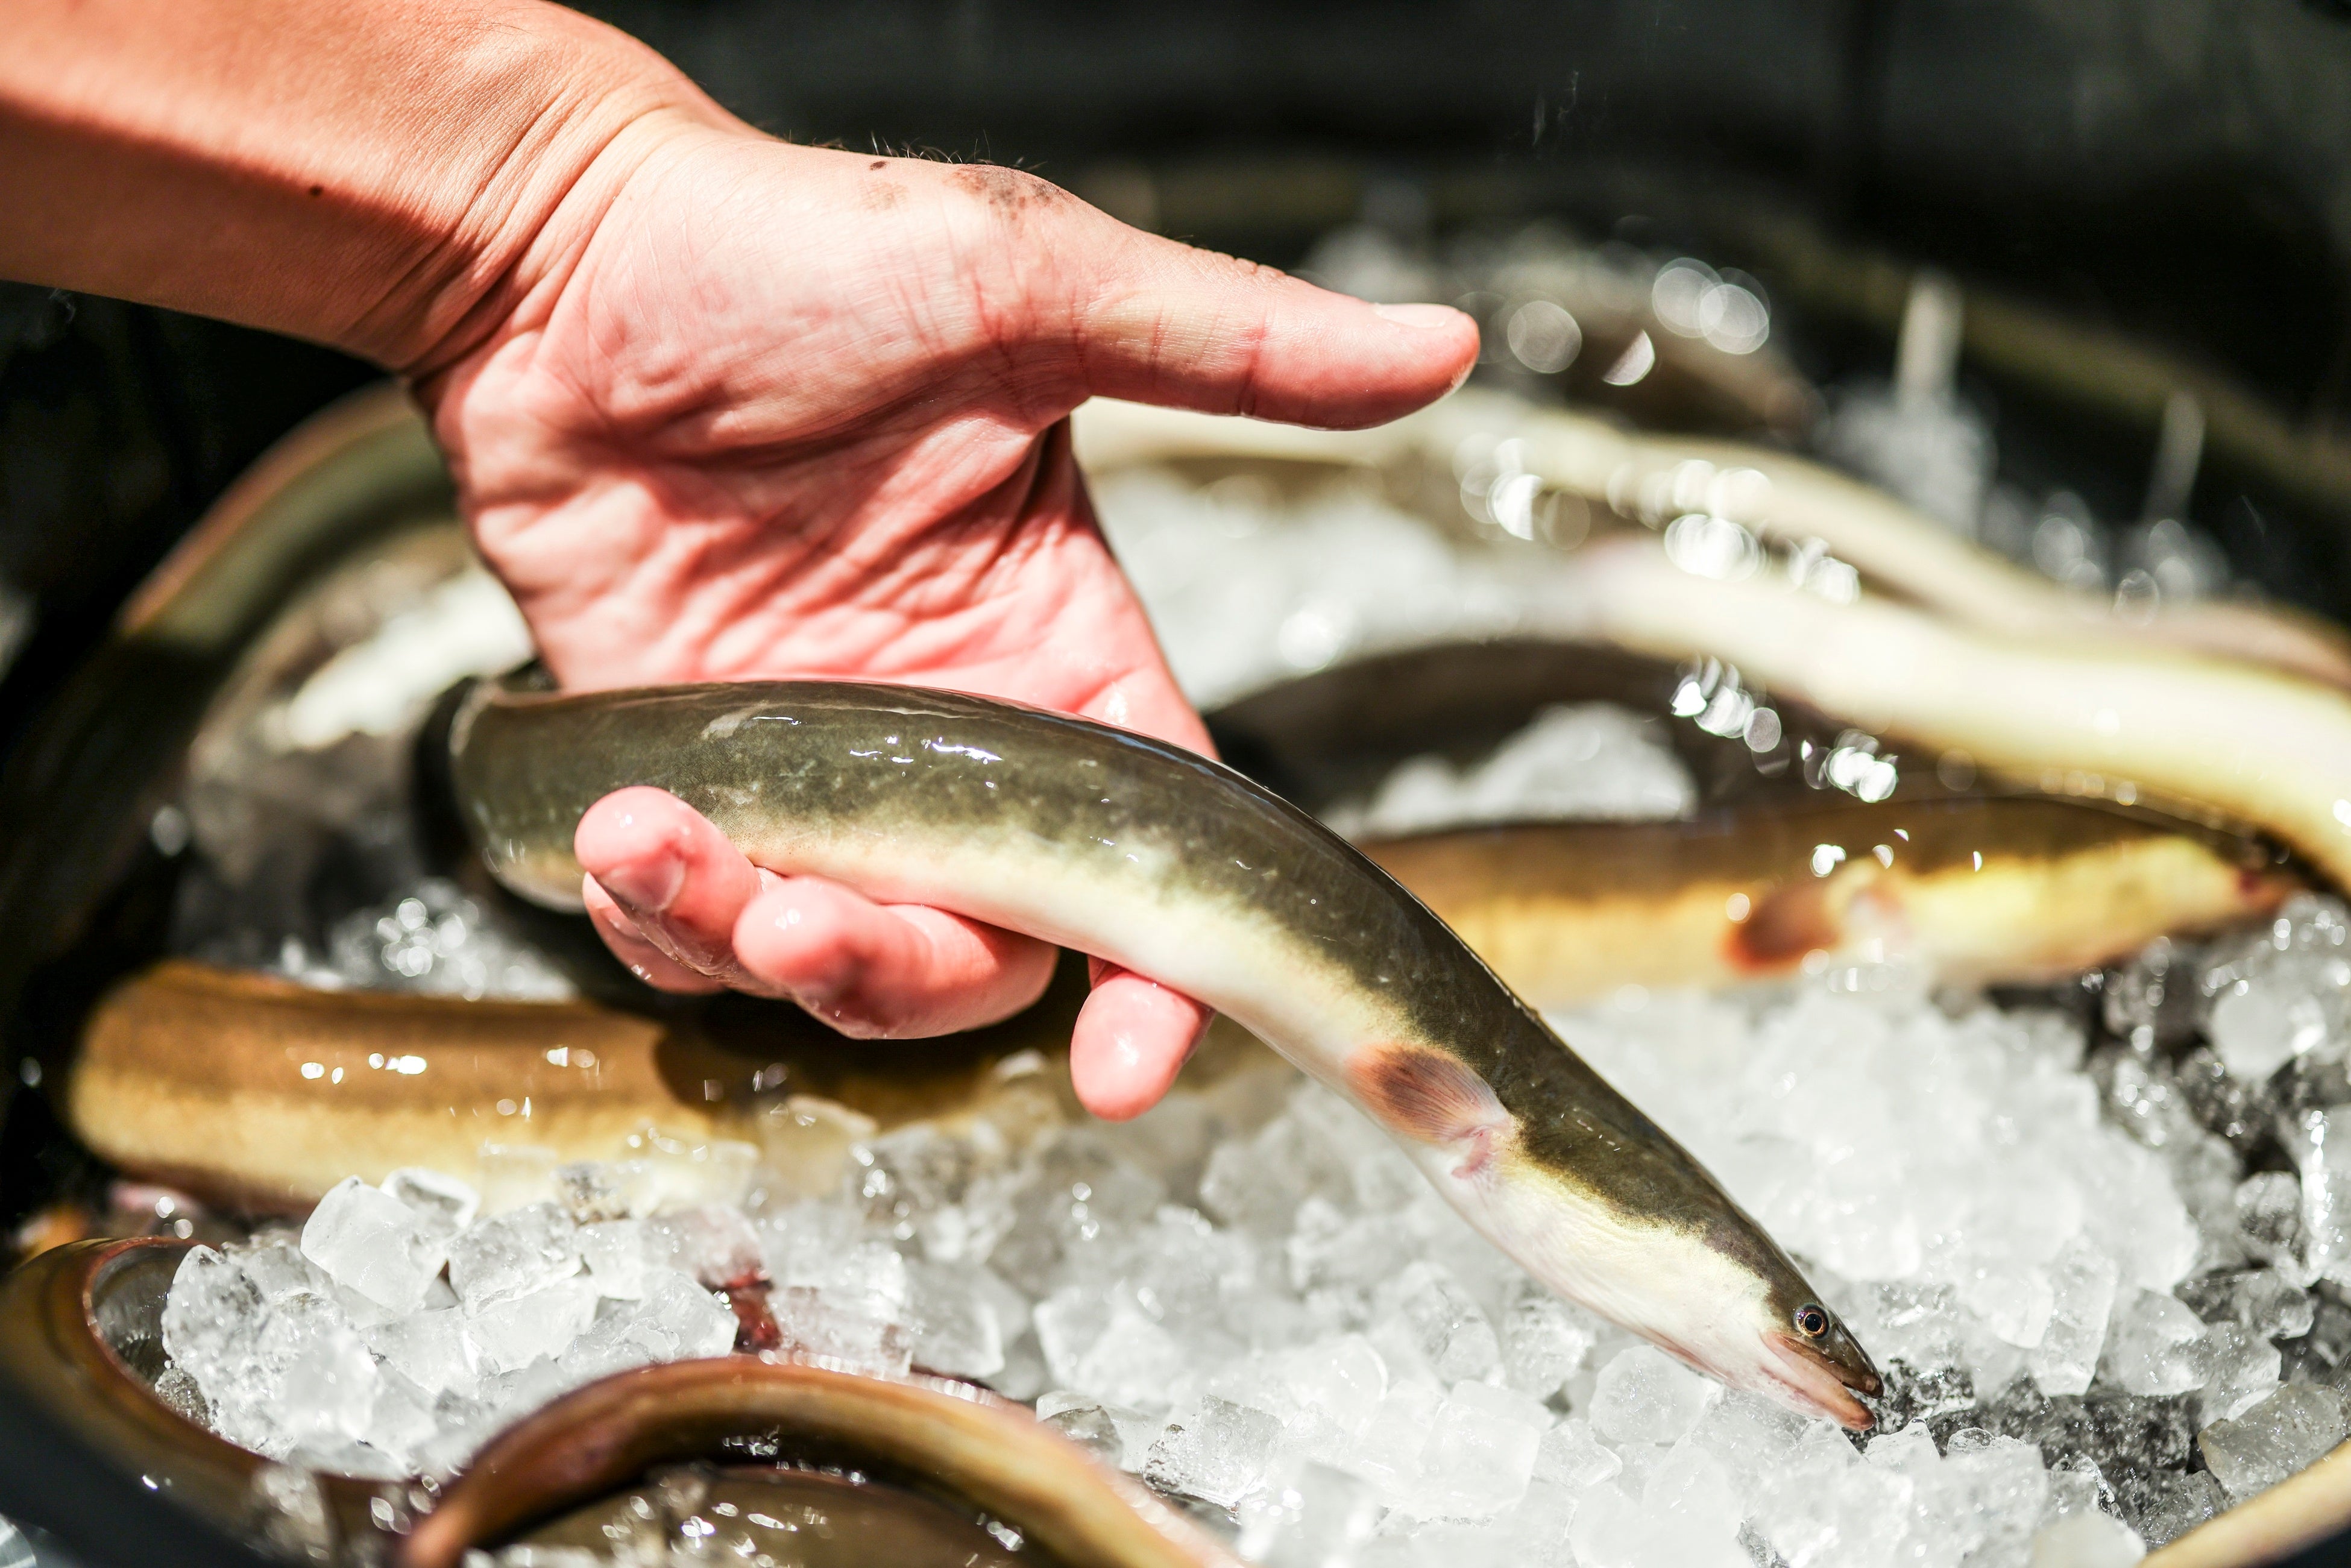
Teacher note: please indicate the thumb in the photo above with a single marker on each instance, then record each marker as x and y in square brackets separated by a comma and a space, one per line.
[1166, 323]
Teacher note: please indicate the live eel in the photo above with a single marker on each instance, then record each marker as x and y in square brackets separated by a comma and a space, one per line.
[2227, 737]
[1780, 499]
[1184, 871]
[2014, 889]
[298, 1088]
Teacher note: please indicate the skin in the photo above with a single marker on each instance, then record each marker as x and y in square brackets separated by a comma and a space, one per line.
[718, 407]
[2268, 748]
[1151, 858]
[1986, 891]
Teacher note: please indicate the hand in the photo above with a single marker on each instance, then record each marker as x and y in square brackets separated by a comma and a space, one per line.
[771, 411]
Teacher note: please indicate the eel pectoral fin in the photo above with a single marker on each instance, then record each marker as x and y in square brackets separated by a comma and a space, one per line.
[1432, 1098]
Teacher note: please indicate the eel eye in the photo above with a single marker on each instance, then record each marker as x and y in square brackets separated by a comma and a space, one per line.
[1812, 1322]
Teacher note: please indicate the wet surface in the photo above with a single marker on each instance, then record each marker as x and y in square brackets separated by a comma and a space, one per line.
[783, 1519]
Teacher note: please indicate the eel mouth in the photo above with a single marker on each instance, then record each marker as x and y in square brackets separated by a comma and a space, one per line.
[1823, 1386]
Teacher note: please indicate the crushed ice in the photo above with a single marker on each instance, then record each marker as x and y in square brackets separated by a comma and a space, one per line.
[433, 939]
[2099, 1315]
[1589, 761]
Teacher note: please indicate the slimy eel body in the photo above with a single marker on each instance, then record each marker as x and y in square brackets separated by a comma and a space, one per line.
[1981, 890]
[1183, 871]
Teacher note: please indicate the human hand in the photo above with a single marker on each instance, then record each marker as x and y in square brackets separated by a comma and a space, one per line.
[766, 410]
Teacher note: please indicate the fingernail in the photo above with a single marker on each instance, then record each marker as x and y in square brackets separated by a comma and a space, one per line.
[1420, 315]
[646, 886]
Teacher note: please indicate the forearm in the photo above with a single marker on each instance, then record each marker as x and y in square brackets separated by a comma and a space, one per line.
[383, 175]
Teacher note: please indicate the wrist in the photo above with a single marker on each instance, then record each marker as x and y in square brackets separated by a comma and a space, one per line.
[582, 109]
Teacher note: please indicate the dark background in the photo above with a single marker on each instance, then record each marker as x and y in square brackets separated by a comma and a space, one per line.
[2179, 171]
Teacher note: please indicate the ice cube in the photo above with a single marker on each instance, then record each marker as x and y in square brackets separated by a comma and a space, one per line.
[843, 1330]
[2082, 1296]
[2076, 1484]
[326, 1379]
[2256, 1029]
[1610, 1529]
[1749, 1436]
[615, 1340]
[1071, 1213]
[1498, 1403]
[1905, 1449]
[512, 1254]
[1571, 1457]
[2271, 1305]
[1479, 1453]
[2177, 1502]
[1998, 1483]
[1068, 1324]
[2269, 1219]
[212, 1319]
[956, 1327]
[373, 1243]
[1258, 1185]
[693, 1323]
[1108, 1347]
[1387, 1453]
[1088, 1424]
[614, 1251]
[871, 1276]
[713, 1244]
[1440, 1319]
[430, 1349]
[1330, 1250]
[2086, 1540]
[1329, 1390]
[510, 1332]
[2245, 1368]
[1181, 1270]
[2319, 1139]
[2158, 1346]
[1215, 1451]
[1644, 1395]
[278, 1269]
[2274, 1439]
[1692, 1483]
[2013, 1300]
[1919, 1323]
[1308, 1515]
[1545, 1341]
[400, 1420]
[1817, 1509]
[444, 1204]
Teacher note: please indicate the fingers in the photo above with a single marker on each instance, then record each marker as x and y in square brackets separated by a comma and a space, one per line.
[686, 912]
[1165, 323]
[647, 962]
[684, 909]
[671, 880]
[885, 971]
[1132, 1038]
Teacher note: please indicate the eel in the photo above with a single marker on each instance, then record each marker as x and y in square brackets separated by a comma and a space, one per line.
[1999, 889]
[1784, 501]
[1186, 872]
[2205, 736]
[297, 1088]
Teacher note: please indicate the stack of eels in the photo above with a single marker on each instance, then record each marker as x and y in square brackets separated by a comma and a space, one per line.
[2099, 783]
